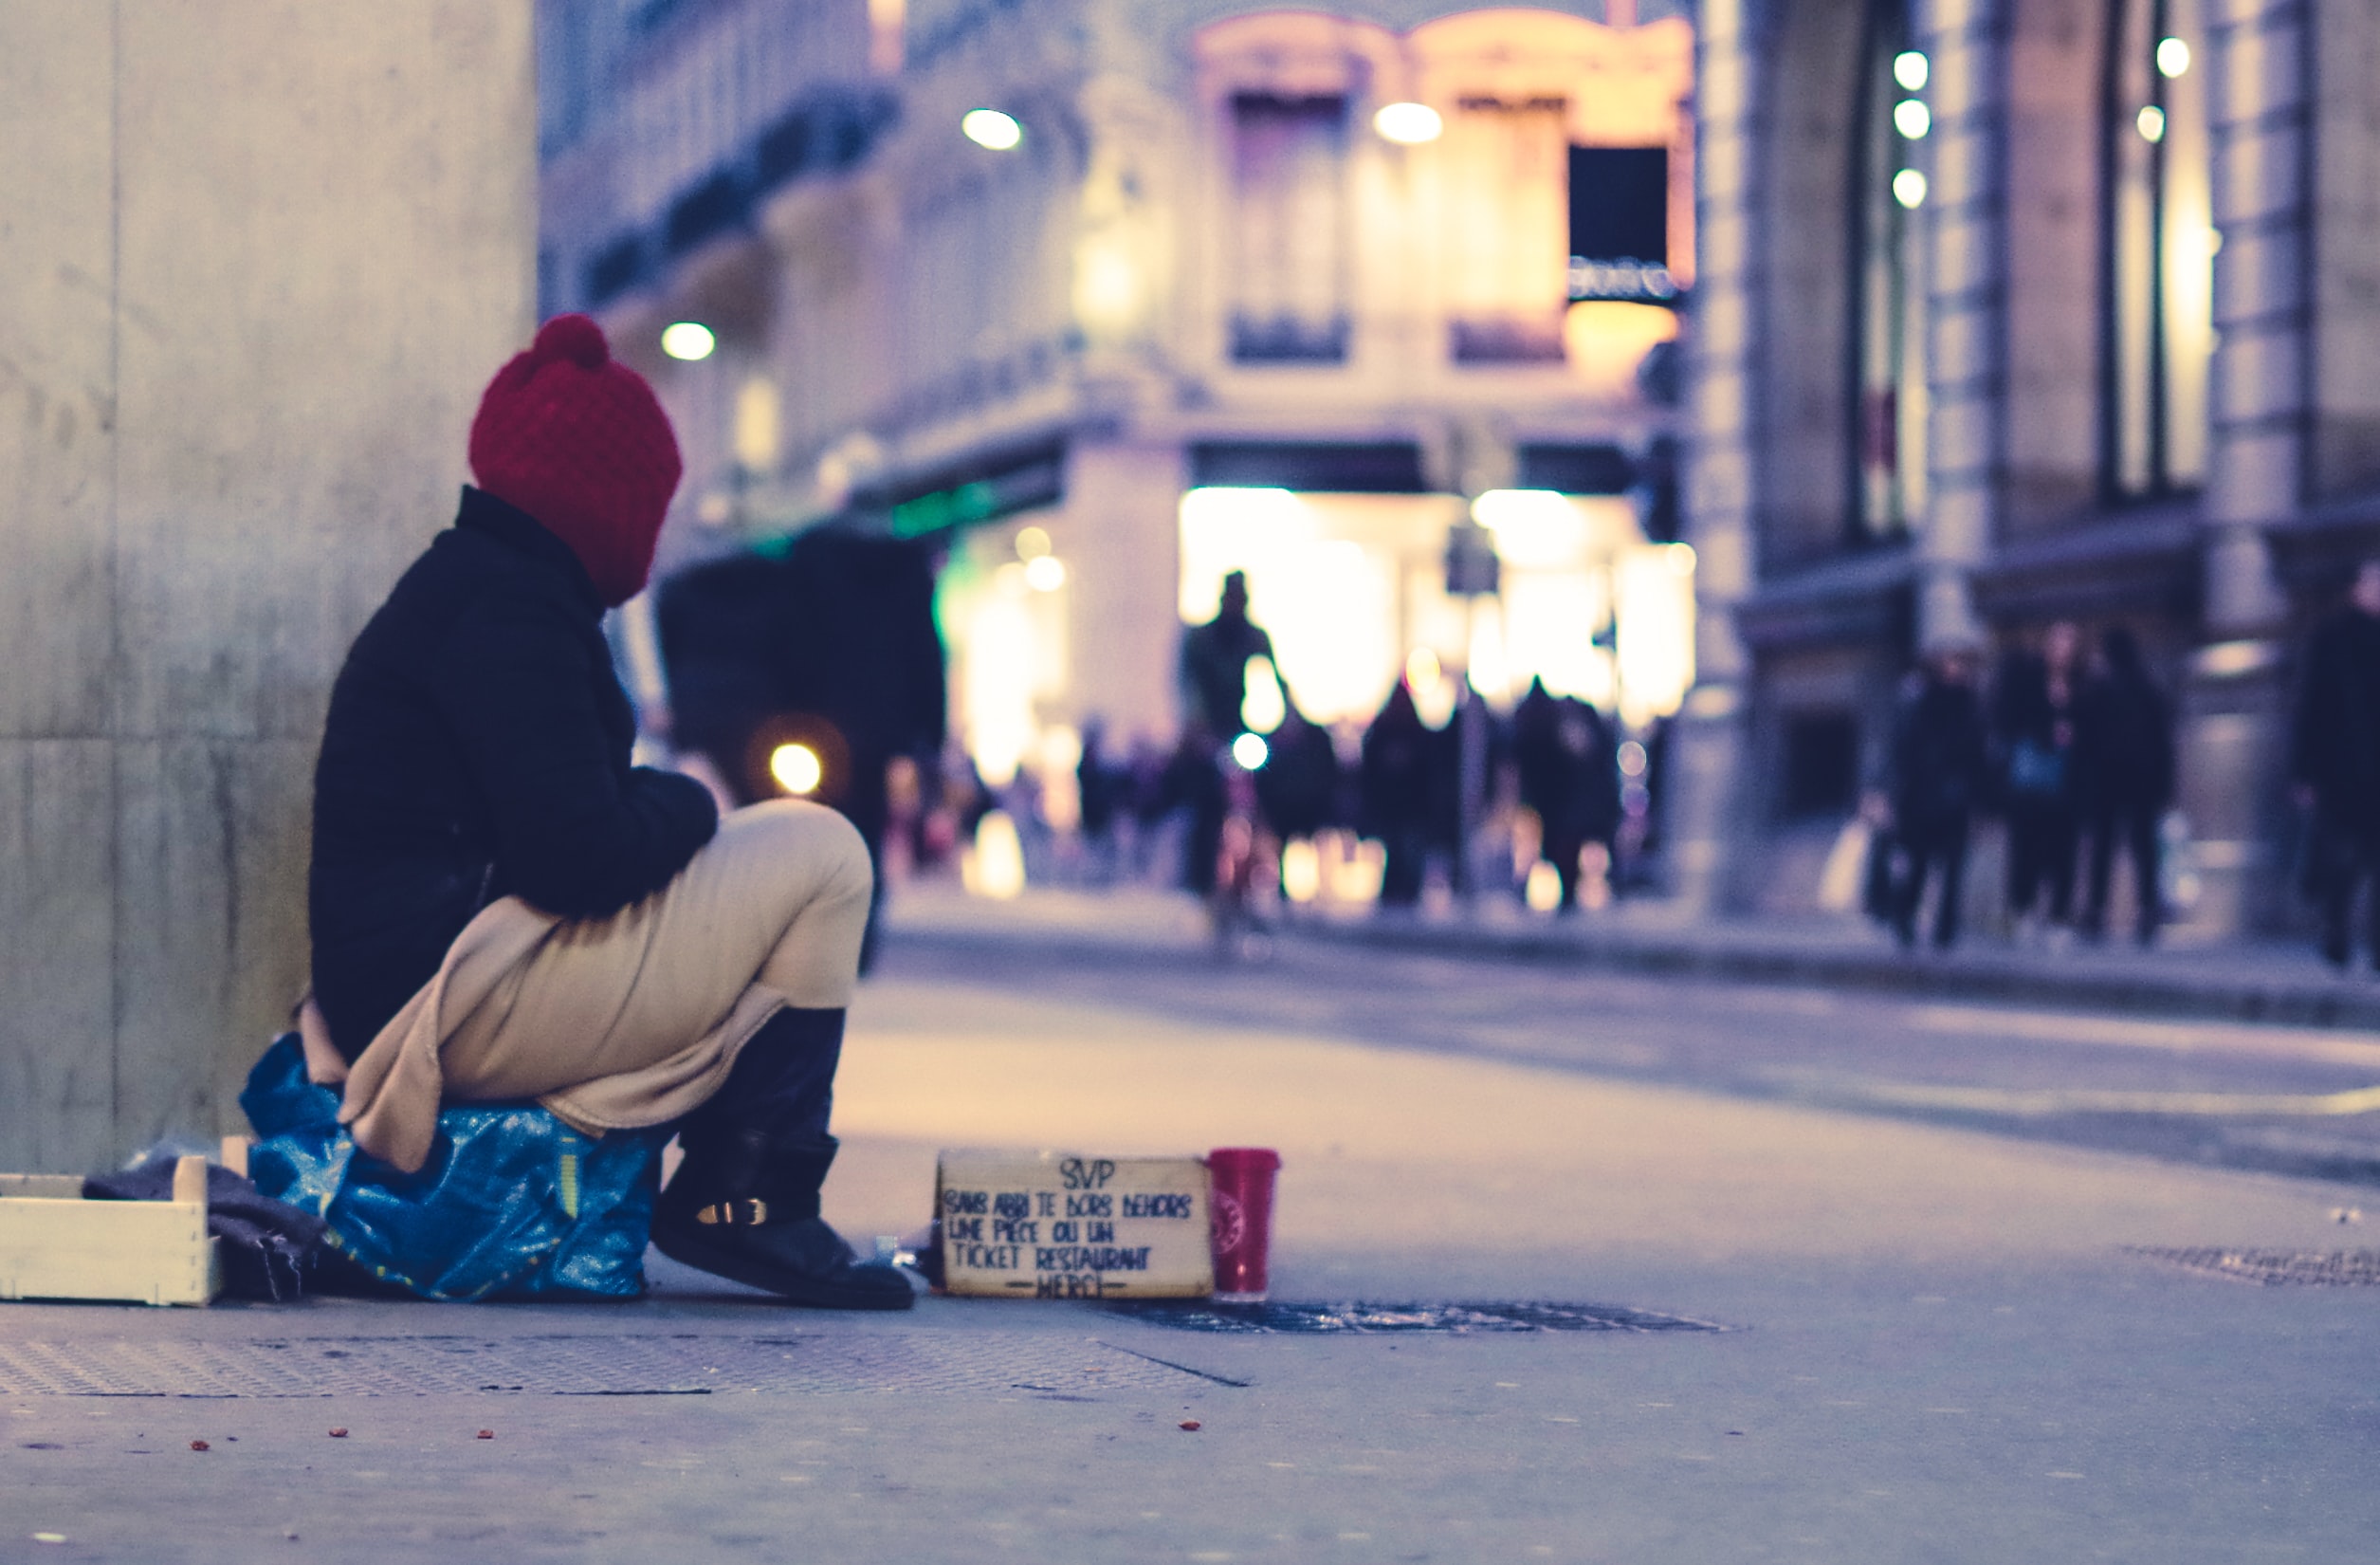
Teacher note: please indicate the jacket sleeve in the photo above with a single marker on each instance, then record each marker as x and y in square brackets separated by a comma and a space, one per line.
[576, 834]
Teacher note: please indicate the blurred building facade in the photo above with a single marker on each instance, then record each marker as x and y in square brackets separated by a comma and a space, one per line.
[2015, 310]
[1186, 303]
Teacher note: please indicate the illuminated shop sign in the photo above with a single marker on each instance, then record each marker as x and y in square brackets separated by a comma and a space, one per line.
[1619, 224]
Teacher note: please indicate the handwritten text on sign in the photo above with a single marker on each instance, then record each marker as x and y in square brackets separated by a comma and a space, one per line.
[1062, 1225]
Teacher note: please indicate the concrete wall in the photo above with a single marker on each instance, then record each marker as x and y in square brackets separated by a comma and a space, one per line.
[260, 259]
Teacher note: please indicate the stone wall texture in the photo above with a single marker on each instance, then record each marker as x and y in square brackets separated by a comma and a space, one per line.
[259, 257]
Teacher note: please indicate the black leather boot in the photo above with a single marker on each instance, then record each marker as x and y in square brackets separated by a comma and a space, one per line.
[744, 1206]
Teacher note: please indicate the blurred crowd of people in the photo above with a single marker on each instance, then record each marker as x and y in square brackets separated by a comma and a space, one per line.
[2067, 741]
[2074, 753]
[2072, 748]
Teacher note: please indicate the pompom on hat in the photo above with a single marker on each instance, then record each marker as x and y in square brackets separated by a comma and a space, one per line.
[580, 443]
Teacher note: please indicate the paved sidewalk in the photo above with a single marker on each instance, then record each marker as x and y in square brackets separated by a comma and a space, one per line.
[2253, 982]
[1938, 1348]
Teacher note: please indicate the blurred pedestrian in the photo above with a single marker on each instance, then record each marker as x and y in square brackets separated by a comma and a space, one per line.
[1298, 786]
[2335, 762]
[1938, 772]
[2124, 759]
[2033, 704]
[1214, 679]
[1102, 785]
[1569, 771]
[1214, 658]
[1400, 795]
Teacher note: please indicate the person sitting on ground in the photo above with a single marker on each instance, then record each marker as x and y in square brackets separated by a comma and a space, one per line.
[503, 908]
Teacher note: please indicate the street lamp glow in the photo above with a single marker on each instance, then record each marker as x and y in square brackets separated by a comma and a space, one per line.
[1408, 124]
[2173, 57]
[687, 340]
[1911, 69]
[1909, 188]
[1911, 119]
[2151, 123]
[1045, 572]
[992, 129]
[1250, 751]
[797, 768]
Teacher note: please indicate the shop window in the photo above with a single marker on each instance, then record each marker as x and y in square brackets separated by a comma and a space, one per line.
[1822, 764]
[1506, 166]
[1888, 423]
[2157, 321]
[1290, 238]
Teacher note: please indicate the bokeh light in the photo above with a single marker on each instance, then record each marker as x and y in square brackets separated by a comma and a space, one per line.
[687, 340]
[796, 769]
[992, 129]
[1408, 124]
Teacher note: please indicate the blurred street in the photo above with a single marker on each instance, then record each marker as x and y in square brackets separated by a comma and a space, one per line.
[1936, 1344]
[1943, 1045]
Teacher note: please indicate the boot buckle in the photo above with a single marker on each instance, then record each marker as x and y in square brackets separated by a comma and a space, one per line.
[748, 1213]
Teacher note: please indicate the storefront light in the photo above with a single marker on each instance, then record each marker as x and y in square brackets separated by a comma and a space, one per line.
[1408, 124]
[1251, 752]
[990, 129]
[2174, 58]
[691, 340]
[1909, 188]
[2151, 123]
[1910, 69]
[1911, 119]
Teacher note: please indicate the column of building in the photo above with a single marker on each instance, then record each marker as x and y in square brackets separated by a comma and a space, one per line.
[2232, 734]
[244, 332]
[1965, 211]
[1709, 828]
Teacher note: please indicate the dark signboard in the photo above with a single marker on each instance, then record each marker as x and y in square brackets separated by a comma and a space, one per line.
[1619, 224]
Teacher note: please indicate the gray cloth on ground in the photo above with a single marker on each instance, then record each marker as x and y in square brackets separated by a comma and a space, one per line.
[268, 1245]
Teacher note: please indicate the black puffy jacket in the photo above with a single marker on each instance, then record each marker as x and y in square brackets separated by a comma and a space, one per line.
[478, 746]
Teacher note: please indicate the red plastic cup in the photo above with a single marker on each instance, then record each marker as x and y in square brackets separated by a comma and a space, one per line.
[1240, 1219]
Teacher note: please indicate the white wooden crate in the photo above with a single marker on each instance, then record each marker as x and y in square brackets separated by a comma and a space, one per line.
[55, 1244]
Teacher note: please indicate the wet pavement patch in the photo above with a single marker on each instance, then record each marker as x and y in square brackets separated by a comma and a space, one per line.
[1384, 1320]
[2276, 1268]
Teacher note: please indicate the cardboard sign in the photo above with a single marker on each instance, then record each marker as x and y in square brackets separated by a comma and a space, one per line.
[1063, 1225]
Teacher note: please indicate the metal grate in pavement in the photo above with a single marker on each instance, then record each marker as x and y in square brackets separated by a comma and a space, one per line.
[1456, 1319]
[942, 1363]
[2318, 1268]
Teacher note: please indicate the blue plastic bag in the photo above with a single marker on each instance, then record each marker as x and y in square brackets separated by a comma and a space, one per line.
[512, 1204]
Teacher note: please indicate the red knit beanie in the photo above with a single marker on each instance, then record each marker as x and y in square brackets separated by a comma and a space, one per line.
[580, 444]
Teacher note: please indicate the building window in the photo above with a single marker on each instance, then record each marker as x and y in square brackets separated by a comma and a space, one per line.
[1888, 315]
[1506, 166]
[1289, 239]
[2157, 321]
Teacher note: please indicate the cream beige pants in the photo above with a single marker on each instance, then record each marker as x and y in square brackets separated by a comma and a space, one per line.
[621, 1021]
